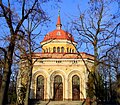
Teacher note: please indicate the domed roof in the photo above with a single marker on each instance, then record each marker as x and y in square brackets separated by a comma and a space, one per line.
[58, 34]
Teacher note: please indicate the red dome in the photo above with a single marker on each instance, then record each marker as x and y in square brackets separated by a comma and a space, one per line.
[57, 35]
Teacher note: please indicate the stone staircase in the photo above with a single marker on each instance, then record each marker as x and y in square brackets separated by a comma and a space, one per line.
[56, 103]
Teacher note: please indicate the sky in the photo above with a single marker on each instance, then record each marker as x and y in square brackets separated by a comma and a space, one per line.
[69, 10]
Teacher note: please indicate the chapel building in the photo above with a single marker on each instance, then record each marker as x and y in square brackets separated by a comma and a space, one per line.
[59, 73]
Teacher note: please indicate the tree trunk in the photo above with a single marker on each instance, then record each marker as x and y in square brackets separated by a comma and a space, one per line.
[30, 66]
[5, 84]
[28, 85]
[7, 72]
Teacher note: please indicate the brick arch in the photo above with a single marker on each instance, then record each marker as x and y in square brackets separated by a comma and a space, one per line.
[74, 72]
[70, 76]
[52, 76]
[57, 72]
[34, 81]
[40, 72]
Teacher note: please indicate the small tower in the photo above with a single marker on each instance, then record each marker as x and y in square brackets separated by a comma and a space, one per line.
[58, 40]
[58, 25]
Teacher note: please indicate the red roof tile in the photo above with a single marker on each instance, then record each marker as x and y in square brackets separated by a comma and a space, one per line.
[58, 34]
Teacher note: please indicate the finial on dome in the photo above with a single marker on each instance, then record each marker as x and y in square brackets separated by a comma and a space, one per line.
[58, 25]
[58, 12]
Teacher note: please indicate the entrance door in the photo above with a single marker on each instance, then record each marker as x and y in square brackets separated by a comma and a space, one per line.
[75, 88]
[40, 87]
[58, 88]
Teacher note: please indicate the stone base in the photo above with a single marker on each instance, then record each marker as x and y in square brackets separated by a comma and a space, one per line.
[56, 102]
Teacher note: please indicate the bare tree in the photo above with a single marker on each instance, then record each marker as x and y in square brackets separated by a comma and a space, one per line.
[34, 20]
[13, 17]
[98, 29]
[111, 74]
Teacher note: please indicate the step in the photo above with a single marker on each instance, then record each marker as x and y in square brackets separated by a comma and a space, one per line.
[57, 103]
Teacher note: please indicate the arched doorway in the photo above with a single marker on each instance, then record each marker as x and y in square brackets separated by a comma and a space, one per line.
[58, 88]
[40, 88]
[75, 88]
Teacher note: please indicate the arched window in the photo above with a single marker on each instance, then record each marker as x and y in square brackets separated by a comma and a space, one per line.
[40, 88]
[58, 49]
[67, 50]
[49, 50]
[46, 49]
[75, 88]
[43, 51]
[62, 49]
[58, 79]
[58, 88]
[54, 49]
[72, 50]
